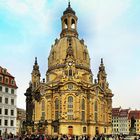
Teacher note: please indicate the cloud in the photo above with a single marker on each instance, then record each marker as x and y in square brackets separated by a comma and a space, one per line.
[24, 7]
[15, 7]
[33, 14]
[107, 12]
[102, 13]
[127, 93]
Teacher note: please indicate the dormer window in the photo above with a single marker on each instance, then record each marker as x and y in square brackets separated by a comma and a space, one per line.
[6, 80]
[12, 82]
[4, 71]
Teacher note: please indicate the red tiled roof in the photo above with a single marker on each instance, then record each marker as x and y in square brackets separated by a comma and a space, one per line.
[135, 114]
[118, 112]
[124, 112]
[4, 73]
[115, 112]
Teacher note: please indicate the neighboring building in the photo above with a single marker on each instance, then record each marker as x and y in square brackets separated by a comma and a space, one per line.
[123, 121]
[69, 102]
[21, 117]
[8, 98]
[136, 115]
[115, 120]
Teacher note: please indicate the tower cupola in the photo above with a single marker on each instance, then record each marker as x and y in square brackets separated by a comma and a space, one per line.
[69, 10]
[35, 74]
[102, 75]
[69, 22]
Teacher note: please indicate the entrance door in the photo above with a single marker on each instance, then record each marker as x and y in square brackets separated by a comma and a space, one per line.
[70, 130]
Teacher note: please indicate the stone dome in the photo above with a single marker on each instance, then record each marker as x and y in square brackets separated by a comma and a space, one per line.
[69, 45]
[58, 52]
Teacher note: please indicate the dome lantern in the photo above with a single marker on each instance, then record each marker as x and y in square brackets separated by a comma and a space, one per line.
[69, 22]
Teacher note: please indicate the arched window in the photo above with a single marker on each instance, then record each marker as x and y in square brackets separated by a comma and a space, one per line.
[95, 106]
[103, 109]
[95, 111]
[43, 105]
[65, 23]
[70, 73]
[70, 108]
[83, 110]
[43, 110]
[56, 109]
[73, 24]
[83, 104]
[84, 129]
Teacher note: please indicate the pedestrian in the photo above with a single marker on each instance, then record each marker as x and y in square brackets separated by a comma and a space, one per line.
[94, 138]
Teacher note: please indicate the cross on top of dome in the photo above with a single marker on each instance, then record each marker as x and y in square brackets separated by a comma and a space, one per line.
[69, 9]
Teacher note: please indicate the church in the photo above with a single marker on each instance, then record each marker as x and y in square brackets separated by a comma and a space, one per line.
[68, 101]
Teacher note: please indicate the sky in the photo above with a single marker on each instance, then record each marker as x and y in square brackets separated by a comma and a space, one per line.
[110, 28]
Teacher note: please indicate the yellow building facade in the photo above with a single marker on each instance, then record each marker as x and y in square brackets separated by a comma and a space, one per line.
[69, 101]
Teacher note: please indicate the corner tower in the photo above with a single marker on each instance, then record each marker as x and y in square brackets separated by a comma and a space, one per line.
[69, 102]
[102, 75]
[35, 74]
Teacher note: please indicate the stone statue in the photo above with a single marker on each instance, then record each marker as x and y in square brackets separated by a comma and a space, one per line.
[133, 122]
[132, 130]
[29, 103]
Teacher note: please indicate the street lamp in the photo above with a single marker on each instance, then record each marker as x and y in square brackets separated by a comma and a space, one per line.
[55, 124]
[42, 124]
[23, 127]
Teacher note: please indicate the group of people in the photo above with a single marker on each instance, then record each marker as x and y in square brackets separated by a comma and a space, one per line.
[60, 137]
[6, 136]
[64, 137]
[116, 137]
